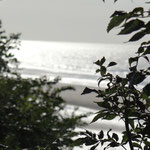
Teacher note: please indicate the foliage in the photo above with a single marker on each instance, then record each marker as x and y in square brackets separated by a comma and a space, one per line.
[31, 110]
[126, 98]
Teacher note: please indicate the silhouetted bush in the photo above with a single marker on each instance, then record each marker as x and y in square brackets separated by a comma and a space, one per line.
[31, 110]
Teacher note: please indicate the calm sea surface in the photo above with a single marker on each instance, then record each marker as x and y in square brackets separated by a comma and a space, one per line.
[71, 61]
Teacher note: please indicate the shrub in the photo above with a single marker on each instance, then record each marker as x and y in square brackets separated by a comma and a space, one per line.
[31, 110]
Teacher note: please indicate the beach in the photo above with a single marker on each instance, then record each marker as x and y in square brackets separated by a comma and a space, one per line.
[86, 105]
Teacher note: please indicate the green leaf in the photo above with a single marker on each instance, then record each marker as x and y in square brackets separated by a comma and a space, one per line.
[147, 51]
[146, 89]
[97, 70]
[137, 145]
[131, 122]
[138, 10]
[116, 21]
[97, 117]
[110, 116]
[147, 143]
[112, 64]
[79, 141]
[138, 36]
[132, 26]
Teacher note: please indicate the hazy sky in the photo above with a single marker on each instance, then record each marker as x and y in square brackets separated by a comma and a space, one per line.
[62, 20]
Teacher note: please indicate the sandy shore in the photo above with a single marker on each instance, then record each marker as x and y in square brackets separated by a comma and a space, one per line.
[75, 97]
[87, 105]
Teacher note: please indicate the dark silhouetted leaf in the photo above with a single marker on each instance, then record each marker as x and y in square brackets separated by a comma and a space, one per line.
[146, 89]
[147, 51]
[138, 10]
[89, 141]
[136, 78]
[102, 61]
[93, 147]
[132, 26]
[112, 64]
[88, 90]
[116, 21]
[97, 62]
[133, 59]
[138, 36]
[114, 144]
[101, 134]
[146, 58]
[103, 70]
[131, 122]
[140, 50]
[110, 117]
[98, 116]
[115, 136]
[137, 145]
[118, 13]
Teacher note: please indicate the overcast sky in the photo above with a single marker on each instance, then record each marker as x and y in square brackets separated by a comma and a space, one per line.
[62, 20]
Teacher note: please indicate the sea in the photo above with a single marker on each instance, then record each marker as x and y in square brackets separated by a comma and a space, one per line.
[74, 64]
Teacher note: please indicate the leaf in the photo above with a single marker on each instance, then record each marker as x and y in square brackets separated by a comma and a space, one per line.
[146, 58]
[131, 122]
[138, 36]
[133, 59]
[110, 116]
[118, 13]
[89, 133]
[101, 134]
[132, 26]
[116, 21]
[79, 141]
[103, 70]
[89, 141]
[100, 115]
[112, 64]
[147, 26]
[136, 78]
[114, 144]
[97, 62]
[97, 70]
[138, 10]
[146, 89]
[115, 136]
[136, 145]
[88, 90]
[100, 62]
[147, 51]
[100, 104]
[140, 50]
[93, 147]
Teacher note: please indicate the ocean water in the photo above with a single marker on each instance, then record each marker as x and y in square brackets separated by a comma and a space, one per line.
[73, 62]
